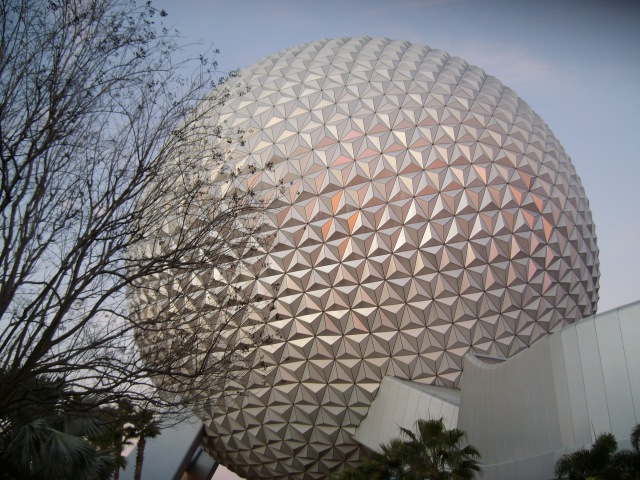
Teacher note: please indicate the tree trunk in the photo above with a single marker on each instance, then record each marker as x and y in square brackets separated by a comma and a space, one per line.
[139, 458]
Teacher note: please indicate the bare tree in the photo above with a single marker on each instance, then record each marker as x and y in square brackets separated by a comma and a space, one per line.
[103, 199]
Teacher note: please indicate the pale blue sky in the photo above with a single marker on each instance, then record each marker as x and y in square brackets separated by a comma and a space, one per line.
[577, 63]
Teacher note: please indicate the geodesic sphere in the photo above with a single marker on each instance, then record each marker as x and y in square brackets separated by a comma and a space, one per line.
[420, 211]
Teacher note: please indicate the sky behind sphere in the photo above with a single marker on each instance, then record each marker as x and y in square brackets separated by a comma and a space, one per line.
[576, 63]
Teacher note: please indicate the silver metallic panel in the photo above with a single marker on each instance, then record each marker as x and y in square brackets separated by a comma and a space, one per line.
[401, 404]
[418, 210]
[615, 373]
[630, 328]
[590, 355]
[509, 410]
[575, 384]
[561, 388]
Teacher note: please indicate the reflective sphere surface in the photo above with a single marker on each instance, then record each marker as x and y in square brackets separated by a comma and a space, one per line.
[420, 211]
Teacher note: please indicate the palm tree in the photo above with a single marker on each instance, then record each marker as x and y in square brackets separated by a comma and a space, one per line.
[433, 453]
[596, 462]
[51, 436]
[436, 453]
[116, 433]
[603, 460]
[144, 426]
[393, 460]
[367, 471]
[628, 461]
[635, 455]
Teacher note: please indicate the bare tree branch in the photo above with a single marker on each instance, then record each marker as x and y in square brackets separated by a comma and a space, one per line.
[111, 189]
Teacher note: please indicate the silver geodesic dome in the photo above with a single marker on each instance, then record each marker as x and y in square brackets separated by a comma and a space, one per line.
[419, 210]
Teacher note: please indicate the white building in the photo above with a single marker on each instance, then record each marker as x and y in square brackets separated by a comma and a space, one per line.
[526, 412]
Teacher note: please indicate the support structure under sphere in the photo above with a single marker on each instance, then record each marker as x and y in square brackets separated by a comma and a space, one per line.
[418, 211]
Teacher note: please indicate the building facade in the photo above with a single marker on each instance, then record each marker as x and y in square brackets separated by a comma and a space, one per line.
[526, 412]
